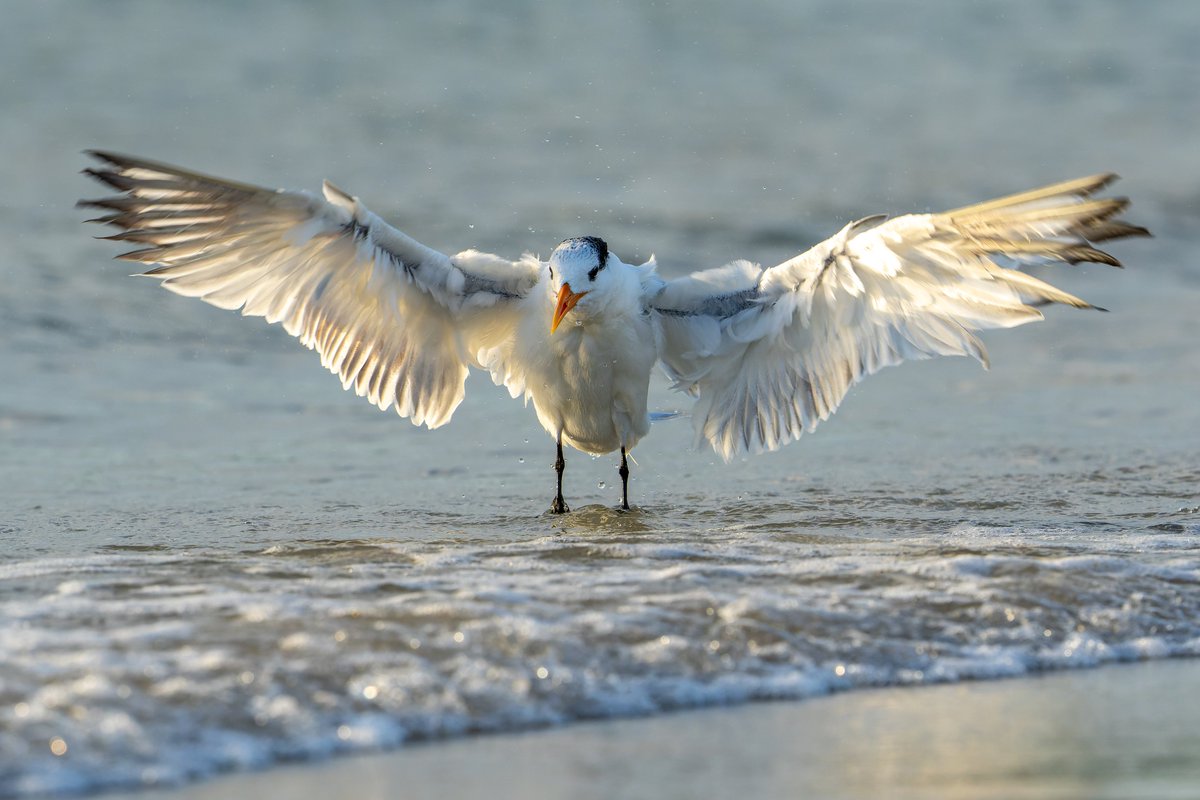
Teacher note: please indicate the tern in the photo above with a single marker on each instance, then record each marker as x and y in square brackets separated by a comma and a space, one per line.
[766, 353]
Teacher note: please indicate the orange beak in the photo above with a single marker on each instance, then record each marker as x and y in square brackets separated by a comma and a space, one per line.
[566, 301]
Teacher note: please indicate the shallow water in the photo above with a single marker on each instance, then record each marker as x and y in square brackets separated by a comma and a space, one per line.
[215, 559]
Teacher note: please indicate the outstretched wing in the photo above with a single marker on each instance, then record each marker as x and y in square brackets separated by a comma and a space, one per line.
[770, 353]
[397, 320]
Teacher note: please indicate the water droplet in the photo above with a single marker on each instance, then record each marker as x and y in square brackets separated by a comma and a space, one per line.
[343, 732]
[543, 673]
[459, 636]
[521, 460]
[370, 692]
[58, 746]
[601, 484]
[839, 670]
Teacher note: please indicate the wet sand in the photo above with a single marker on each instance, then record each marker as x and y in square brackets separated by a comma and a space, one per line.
[1124, 731]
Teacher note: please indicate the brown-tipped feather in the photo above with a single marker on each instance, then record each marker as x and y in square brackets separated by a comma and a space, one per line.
[137, 204]
[166, 235]
[1069, 252]
[113, 179]
[168, 170]
[1085, 253]
[1080, 187]
[1059, 222]
[1107, 229]
[149, 255]
[1080, 214]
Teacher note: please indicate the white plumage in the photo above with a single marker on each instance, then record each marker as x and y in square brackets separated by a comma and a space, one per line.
[767, 353]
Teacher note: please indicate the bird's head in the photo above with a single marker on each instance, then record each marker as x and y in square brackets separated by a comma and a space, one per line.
[577, 269]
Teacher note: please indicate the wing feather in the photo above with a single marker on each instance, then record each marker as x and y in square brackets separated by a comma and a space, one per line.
[771, 353]
[397, 321]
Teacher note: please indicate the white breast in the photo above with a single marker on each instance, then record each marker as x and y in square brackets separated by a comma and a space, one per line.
[589, 381]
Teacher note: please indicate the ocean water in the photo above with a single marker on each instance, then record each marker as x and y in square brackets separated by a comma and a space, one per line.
[214, 559]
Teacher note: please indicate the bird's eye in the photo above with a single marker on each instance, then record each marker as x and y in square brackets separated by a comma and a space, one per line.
[552, 273]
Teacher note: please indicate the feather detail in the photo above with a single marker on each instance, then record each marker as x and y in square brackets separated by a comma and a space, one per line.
[397, 321]
[771, 353]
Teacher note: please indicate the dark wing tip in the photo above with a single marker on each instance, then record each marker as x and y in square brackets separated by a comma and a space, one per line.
[1106, 179]
[107, 176]
[122, 160]
[112, 160]
[148, 255]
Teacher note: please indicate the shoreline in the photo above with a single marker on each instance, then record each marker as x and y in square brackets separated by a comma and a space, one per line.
[1118, 731]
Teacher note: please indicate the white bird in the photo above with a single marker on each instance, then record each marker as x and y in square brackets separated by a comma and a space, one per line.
[766, 353]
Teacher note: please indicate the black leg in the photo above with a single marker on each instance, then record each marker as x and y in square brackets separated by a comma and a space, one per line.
[559, 506]
[623, 471]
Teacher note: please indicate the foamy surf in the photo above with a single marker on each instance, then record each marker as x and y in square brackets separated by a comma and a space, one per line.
[155, 669]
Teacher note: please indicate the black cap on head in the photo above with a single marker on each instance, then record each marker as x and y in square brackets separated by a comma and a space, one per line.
[595, 242]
